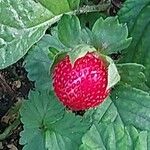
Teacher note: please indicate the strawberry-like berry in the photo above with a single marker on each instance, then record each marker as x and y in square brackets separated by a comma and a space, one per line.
[83, 84]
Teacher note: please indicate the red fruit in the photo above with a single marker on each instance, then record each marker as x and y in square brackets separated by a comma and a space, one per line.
[83, 84]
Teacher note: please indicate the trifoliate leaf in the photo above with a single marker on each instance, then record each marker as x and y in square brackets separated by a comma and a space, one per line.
[69, 30]
[136, 14]
[37, 62]
[106, 33]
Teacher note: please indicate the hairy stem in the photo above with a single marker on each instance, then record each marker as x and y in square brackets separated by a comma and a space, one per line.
[93, 8]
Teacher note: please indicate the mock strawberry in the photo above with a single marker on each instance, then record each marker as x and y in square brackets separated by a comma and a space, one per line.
[83, 84]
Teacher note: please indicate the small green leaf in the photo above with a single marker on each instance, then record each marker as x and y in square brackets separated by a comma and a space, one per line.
[133, 74]
[69, 30]
[106, 35]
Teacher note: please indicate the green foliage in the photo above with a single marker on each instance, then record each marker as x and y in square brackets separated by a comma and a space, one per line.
[37, 62]
[136, 15]
[114, 137]
[106, 35]
[46, 122]
[69, 31]
[105, 113]
[133, 74]
[133, 105]
[23, 23]
[122, 121]
[58, 7]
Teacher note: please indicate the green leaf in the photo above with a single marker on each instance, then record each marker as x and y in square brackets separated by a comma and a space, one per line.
[127, 106]
[113, 137]
[32, 138]
[133, 106]
[34, 113]
[46, 122]
[87, 36]
[89, 19]
[136, 14]
[67, 133]
[104, 113]
[23, 23]
[106, 35]
[133, 74]
[69, 31]
[37, 62]
[74, 4]
[130, 11]
[58, 7]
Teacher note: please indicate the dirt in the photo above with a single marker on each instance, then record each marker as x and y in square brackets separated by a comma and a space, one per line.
[14, 86]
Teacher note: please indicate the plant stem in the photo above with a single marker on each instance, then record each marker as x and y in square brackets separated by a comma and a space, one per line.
[93, 8]
[6, 87]
[9, 129]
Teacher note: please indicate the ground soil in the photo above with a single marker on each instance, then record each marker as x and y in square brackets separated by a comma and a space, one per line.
[14, 86]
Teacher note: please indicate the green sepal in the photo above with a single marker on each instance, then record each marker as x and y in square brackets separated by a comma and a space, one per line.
[80, 51]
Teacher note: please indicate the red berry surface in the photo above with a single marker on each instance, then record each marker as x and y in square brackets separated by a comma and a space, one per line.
[83, 84]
